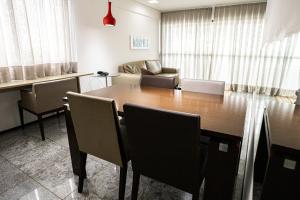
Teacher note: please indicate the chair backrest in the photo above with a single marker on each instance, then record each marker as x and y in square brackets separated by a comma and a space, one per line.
[158, 81]
[97, 127]
[203, 86]
[164, 145]
[49, 94]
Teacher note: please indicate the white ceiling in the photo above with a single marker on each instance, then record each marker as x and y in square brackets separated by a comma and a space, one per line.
[170, 5]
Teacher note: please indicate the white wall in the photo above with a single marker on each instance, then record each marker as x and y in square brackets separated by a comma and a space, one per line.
[99, 47]
[104, 48]
[9, 114]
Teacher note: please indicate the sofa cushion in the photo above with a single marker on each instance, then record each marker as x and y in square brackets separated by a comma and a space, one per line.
[125, 78]
[146, 72]
[154, 66]
[134, 67]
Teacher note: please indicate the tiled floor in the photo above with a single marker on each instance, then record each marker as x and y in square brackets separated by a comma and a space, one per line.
[32, 169]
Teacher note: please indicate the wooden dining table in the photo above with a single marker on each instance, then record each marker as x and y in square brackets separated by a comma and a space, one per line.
[278, 153]
[223, 119]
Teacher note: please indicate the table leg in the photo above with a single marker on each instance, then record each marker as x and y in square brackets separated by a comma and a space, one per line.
[222, 168]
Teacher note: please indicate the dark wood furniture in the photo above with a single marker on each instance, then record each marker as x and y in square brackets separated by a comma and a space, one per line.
[165, 145]
[278, 154]
[222, 119]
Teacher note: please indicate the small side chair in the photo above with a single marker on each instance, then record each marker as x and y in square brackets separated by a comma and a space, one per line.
[45, 98]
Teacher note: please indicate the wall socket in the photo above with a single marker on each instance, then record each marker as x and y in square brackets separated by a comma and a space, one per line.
[289, 164]
[223, 147]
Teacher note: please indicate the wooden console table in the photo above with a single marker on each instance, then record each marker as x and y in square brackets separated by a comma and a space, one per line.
[20, 84]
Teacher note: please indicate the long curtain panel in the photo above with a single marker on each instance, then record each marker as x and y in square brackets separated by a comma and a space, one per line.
[186, 41]
[36, 39]
[230, 48]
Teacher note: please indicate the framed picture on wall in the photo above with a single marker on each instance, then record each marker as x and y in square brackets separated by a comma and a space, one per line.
[139, 42]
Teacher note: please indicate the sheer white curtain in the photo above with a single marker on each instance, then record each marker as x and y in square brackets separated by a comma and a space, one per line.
[186, 41]
[235, 52]
[36, 38]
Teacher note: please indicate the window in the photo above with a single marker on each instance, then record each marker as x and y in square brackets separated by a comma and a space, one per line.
[229, 48]
[36, 39]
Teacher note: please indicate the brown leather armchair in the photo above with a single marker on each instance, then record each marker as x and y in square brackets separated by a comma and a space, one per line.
[45, 98]
[99, 133]
[165, 146]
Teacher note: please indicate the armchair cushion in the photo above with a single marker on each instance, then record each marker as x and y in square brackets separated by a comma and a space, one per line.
[154, 66]
[168, 70]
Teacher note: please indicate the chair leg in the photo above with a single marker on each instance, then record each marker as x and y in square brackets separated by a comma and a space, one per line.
[21, 114]
[135, 186]
[196, 194]
[40, 120]
[57, 114]
[82, 171]
[122, 184]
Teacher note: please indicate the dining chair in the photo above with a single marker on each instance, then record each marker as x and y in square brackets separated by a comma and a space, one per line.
[99, 133]
[158, 81]
[165, 146]
[203, 86]
[45, 98]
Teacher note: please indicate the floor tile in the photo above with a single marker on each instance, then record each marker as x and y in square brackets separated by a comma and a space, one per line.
[10, 175]
[18, 144]
[39, 156]
[152, 189]
[7, 135]
[84, 196]
[60, 138]
[28, 190]
[106, 183]
[58, 177]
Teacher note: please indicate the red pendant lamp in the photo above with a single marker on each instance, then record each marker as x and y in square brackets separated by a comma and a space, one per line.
[109, 20]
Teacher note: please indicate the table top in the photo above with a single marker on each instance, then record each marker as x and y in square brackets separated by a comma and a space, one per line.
[23, 83]
[284, 122]
[220, 114]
